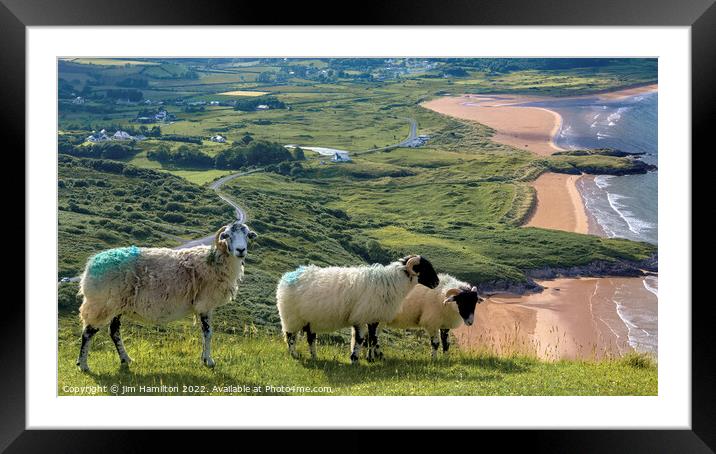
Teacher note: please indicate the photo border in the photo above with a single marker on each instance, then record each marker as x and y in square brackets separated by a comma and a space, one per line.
[15, 15]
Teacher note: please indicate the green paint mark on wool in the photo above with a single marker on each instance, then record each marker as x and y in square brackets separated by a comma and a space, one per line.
[112, 259]
[292, 276]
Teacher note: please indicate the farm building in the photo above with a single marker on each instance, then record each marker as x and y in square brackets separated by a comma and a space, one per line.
[262, 107]
[340, 156]
[98, 137]
[218, 138]
[122, 135]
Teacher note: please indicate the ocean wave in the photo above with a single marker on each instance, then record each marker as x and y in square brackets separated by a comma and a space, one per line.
[636, 226]
[651, 283]
[636, 320]
[602, 181]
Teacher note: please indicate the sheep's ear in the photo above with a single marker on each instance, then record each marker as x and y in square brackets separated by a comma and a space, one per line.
[449, 299]
[221, 234]
[474, 289]
[452, 292]
[252, 234]
[410, 264]
[220, 240]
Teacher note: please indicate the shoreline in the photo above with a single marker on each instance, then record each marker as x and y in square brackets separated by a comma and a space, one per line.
[593, 226]
[570, 319]
[629, 91]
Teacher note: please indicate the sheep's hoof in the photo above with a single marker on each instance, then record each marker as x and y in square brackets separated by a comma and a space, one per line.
[354, 359]
[83, 366]
[208, 362]
[294, 355]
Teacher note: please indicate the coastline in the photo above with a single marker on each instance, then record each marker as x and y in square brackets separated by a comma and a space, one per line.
[628, 92]
[593, 226]
[571, 319]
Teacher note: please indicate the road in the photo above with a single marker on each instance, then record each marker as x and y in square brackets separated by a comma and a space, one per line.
[240, 213]
[411, 136]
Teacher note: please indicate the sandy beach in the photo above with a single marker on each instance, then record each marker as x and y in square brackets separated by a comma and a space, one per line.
[527, 128]
[619, 94]
[571, 318]
[559, 204]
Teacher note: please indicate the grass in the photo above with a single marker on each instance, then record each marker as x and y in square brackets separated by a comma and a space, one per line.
[254, 361]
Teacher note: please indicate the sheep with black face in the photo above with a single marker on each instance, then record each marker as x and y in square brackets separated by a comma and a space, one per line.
[318, 300]
[439, 310]
[159, 285]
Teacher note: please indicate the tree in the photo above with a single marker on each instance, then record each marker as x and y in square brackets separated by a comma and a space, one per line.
[246, 139]
[298, 154]
[284, 168]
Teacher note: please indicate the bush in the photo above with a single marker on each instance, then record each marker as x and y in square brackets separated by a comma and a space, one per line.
[174, 218]
[67, 298]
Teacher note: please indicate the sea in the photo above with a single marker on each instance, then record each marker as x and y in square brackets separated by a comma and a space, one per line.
[622, 206]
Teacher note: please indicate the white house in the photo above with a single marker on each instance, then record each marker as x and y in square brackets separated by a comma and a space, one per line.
[122, 135]
[340, 156]
[98, 137]
[78, 100]
[262, 107]
[218, 138]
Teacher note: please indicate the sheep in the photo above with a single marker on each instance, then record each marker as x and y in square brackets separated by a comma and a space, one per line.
[316, 300]
[159, 285]
[438, 310]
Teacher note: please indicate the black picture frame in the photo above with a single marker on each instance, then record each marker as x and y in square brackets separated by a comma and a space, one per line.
[700, 15]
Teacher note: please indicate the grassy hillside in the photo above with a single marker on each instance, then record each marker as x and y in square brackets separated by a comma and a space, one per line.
[251, 358]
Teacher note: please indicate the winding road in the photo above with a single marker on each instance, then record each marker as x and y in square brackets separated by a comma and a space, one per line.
[240, 213]
[412, 135]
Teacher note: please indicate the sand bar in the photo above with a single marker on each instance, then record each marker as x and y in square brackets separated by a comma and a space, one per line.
[527, 128]
[571, 318]
[559, 204]
[627, 92]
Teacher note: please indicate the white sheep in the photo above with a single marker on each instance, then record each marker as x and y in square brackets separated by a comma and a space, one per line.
[159, 285]
[440, 309]
[318, 300]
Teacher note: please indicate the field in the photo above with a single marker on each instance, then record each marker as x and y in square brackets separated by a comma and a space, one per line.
[460, 200]
[255, 360]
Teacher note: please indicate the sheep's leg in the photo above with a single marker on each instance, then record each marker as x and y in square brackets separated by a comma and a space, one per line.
[87, 334]
[357, 340]
[373, 345]
[117, 339]
[434, 343]
[311, 338]
[445, 340]
[291, 342]
[206, 331]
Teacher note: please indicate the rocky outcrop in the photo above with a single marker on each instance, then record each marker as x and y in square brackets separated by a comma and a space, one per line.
[598, 268]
